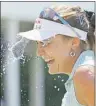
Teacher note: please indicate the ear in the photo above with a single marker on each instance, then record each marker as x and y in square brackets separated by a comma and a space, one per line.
[75, 42]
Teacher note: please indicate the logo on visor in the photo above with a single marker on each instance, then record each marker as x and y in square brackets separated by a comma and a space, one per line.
[37, 24]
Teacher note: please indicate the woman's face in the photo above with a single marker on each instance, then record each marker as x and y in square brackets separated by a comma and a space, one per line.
[55, 53]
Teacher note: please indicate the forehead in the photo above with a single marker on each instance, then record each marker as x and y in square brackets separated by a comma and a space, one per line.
[45, 40]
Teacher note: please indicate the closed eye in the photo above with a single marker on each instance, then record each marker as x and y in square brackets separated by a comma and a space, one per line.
[45, 42]
[36, 42]
[41, 43]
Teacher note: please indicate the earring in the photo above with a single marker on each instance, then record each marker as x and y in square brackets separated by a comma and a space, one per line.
[72, 54]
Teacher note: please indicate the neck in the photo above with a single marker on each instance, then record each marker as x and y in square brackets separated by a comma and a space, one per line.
[71, 62]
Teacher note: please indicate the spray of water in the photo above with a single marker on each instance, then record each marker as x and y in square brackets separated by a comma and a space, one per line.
[18, 48]
[15, 52]
[11, 52]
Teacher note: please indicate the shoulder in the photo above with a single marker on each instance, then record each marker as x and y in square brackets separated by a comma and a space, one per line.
[84, 83]
[84, 73]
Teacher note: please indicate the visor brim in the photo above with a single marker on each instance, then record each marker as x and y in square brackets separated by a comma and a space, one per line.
[37, 35]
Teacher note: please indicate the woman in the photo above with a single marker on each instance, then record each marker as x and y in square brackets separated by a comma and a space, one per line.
[65, 40]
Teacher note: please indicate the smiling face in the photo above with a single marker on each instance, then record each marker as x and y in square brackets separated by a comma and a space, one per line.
[56, 54]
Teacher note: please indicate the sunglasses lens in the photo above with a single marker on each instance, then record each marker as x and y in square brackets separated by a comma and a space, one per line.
[47, 14]
[50, 14]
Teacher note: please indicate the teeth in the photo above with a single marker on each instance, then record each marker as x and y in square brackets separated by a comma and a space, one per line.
[48, 60]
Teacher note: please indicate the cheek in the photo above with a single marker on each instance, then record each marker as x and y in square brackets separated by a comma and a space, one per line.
[51, 51]
[61, 52]
[57, 51]
[53, 69]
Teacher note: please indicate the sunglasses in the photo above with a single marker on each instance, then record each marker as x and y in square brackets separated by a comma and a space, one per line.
[50, 14]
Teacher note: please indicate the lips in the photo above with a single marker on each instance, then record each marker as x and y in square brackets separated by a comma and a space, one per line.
[50, 62]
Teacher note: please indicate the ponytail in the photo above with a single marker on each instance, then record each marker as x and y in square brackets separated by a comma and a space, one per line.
[90, 35]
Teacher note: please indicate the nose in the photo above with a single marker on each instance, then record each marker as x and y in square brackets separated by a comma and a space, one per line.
[40, 51]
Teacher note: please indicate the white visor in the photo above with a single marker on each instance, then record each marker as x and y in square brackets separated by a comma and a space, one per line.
[44, 29]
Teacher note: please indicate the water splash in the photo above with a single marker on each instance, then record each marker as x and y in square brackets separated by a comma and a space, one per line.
[18, 48]
[10, 52]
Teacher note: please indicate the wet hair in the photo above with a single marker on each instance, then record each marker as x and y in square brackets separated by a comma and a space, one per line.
[78, 18]
[91, 32]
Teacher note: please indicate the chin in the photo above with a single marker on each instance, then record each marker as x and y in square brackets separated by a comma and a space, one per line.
[53, 70]
[52, 73]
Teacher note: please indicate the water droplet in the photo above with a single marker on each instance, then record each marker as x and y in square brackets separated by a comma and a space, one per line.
[59, 76]
[24, 94]
[36, 57]
[28, 100]
[36, 87]
[58, 89]
[1, 74]
[3, 69]
[45, 67]
[55, 86]
[54, 78]
[1, 84]
[1, 46]
[62, 80]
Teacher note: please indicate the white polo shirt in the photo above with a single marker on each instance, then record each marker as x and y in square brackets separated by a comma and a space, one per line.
[85, 58]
